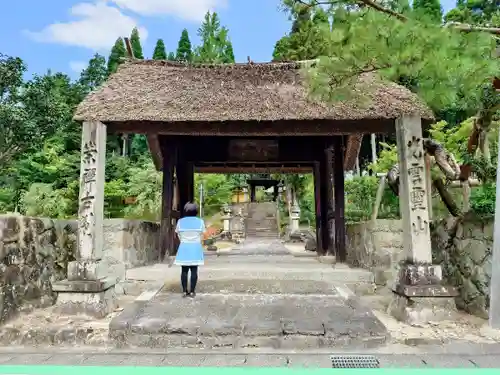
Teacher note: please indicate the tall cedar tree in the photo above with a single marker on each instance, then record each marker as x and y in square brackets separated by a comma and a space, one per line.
[115, 57]
[215, 44]
[307, 37]
[160, 52]
[184, 49]
[135, 42]
[428, 9]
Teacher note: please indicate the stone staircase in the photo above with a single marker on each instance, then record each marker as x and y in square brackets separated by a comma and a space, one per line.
[261, 221]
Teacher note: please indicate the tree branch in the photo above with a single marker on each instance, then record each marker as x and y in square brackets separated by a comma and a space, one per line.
[372, 4]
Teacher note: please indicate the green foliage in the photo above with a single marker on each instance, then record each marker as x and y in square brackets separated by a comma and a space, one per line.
[428, 9]
[171, 56]
[483, 199]
[135, 43]
[145, 183]
[308, 38]
[139, 146]
[444, 61]
[361, 194]
[217, 192]
[477, 12]
[117, 53]
[95, 74]
[7, 199]
[160, 53]
[184, 49]
[45, 201]
[215, 44]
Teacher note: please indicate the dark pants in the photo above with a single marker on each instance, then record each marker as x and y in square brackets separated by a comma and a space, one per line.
[184, 278]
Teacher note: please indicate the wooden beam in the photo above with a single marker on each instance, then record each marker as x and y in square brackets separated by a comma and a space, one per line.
[252, 169]
[254, 128]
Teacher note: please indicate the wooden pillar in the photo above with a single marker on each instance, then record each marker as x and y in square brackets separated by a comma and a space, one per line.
[339, 192]
[182, 181]
[252, 193]
[169, 152]
[330, 200]
[190, 182]
[317, 205]
[324, 192]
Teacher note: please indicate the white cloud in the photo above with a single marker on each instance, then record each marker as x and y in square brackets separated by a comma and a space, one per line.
[77, 66]
[97, 26]
[192, 10]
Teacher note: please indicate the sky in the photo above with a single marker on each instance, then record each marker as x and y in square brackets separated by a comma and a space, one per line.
[62, 35]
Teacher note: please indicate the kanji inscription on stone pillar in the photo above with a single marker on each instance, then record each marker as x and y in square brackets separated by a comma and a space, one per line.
[412, 190]
[91, 197]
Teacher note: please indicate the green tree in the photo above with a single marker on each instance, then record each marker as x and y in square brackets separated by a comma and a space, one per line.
[171, 56]
[118, 52]
[308, 38]
[160, 52]
[228, 56]
[215, 44]
[430, 9]
[95, 74]
[135, 43]
[476, 12]
[445, 62]
[184, 49]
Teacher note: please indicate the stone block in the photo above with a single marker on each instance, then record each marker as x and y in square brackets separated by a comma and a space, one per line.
[93, 298]
[420, 311]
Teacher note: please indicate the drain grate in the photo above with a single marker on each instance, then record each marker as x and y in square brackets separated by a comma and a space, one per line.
[354, 361]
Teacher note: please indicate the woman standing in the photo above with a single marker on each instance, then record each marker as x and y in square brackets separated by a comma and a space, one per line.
[190, 230]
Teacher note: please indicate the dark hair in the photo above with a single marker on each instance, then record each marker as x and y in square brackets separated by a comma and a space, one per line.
[190, 209]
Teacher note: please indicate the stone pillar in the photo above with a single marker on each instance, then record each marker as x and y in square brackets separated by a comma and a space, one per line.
[90, 286]
[418, 282]
[295, 218]
[245, 195]
[226, 219]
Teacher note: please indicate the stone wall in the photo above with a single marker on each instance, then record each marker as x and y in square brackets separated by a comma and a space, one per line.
[463, 247]
[132, 242]
[34, 253]
[375, 246]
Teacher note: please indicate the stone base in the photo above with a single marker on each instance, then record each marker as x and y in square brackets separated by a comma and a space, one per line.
[93, 298]
[422, 310]
[420, 296]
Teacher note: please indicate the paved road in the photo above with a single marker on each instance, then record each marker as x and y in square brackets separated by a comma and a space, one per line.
[321, 360]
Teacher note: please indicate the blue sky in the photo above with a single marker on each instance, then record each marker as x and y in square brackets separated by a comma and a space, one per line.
[62, 35]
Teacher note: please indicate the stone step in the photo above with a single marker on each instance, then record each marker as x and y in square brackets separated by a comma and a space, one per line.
[260, 229]
[248, 321]
[270, 286]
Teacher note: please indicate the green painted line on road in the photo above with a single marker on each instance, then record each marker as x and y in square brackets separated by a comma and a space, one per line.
[142, 370]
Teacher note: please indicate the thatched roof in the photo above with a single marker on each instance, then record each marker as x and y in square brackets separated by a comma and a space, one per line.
[151, 90]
